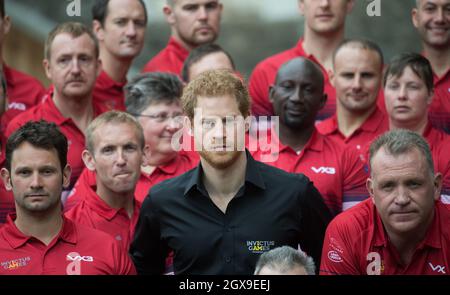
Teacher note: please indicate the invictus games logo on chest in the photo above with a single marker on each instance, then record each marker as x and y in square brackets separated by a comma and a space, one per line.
[259, 247]
[15, 263]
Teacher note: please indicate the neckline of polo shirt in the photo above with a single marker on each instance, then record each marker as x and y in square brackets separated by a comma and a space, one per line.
[108, 82]
[96, 203]
[373, 121]
[333, 126]
[315, 142]
[178, 48]
[432, 238]
[169, 168]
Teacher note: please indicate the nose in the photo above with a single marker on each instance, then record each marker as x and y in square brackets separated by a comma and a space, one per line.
[131, 29]
[402, 198]
[356, 83]
[440, 15]
[36, 181]
[121, 159]
[296, 95]
[402, 93]
[324, 3]
[75, 66]
[174, 124]
[202, 13]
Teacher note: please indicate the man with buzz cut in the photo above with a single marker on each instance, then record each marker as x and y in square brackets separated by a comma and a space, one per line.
[192, 23]
[219, 217]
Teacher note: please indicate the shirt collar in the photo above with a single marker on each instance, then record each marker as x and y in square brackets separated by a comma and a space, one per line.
[107, 82]
[373, 121]
[176, 46]
[171, 167]
[16, 238]
[252, 175]
[314, 143]
[102, 208]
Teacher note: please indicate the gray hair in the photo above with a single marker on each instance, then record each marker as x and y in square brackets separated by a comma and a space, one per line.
[149, 88]
[401, 141]
[284, 259]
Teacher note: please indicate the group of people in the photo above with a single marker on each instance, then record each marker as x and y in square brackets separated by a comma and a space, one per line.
[174, 171]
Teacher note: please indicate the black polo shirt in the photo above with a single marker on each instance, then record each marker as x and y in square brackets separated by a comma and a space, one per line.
[273, 208]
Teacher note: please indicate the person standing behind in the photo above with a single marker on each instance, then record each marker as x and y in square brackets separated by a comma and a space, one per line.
[72, 64]
[38, 239]
[120, 27]
[402, 229]
[323, 31]
[432, 21]
[219, 217]
[357, 77]
[192, 23]
[408, 92]
[336, 170]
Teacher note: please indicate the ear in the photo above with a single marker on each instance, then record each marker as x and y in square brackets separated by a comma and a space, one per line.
[88, 160]
[46, 65]
[6, 24]
[414, 16]
[332, 76]
[301, 7]
[6, 177]
[98, 30]
[145, 155]
[271, 92]
[99, 66]
[437, 186]
[168, 13]
[369, 186]
[67, 171]
[323, 101]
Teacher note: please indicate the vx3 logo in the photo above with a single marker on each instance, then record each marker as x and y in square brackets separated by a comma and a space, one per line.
[437, 268]
[324, 170]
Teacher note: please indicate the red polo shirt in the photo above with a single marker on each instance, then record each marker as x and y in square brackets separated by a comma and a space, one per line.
[355, 241]
[93, 212]
[48, 111]
[336, 171]
[376, 124]
[439, 111]
[264, 75]
[23, 92]
[109, 93]
[77, 249]
[170, 59]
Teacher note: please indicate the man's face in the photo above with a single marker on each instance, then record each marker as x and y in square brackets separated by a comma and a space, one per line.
[325, 16]
[432, 20]
[123, 31]
[219, 130]
[357, 78]
[407, 98]
[160, 122]
[403, 190]
[195, 22]
[117, 158]
[213, 61]
[297, 95]
[36, 178]
[73, 66]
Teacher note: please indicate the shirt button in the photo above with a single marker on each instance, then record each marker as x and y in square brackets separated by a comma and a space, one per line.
[227, 259]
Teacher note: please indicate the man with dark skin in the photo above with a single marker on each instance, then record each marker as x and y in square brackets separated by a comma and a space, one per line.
[297, 96]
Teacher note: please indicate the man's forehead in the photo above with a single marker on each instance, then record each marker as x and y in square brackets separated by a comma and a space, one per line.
[199, 2]
[48, 157]
[298, 71]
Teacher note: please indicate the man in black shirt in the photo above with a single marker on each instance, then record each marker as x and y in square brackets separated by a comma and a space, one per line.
[219, 217]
